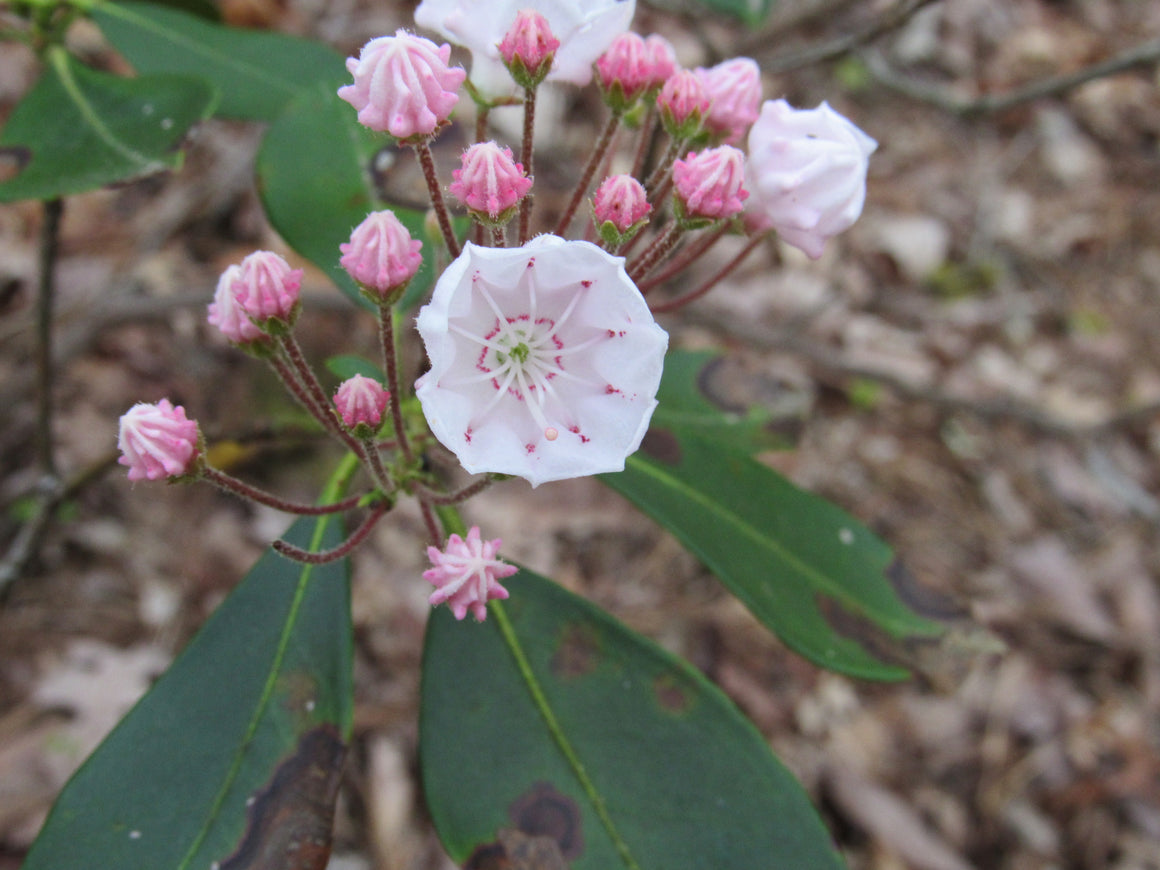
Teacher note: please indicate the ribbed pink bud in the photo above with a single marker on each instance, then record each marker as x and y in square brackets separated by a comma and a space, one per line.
[403, 85]
[361, 402]
[734, 90]
[708, 184]
[381, 255]
[227, 315]
[490, 182]
[529, 48]
[622, 202]
[157, 442]
[266, 289]
[467, 573]
[684, 103]
[632, 66]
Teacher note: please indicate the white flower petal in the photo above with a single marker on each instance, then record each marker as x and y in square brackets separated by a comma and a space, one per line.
[545, 360]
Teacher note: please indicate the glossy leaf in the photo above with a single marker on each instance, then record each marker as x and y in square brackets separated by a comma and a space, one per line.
[79, 129]
[234, 754]
[257, 72]
[700, 393]
[315, 181]
[814, 575]
[553, 730]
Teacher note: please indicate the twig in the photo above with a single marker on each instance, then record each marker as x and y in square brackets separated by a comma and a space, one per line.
[248, 491]
[527, 155]
[431, 177]
[889, 20]
[594, 160]
[322, 557]
[1140, 55]
[722, 274]
[46, 292]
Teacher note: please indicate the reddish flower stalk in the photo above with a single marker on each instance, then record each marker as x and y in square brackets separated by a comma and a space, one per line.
[322, 557]
[681, 301]
[428, 163]
[655, 252]
[586, 179]
[683, 259]
[527, 158]
[459, 496]
[245, 490]
[391, 365]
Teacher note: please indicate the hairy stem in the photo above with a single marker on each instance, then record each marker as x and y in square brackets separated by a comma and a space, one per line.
[245, 490]
[681, 301]
[391, 367]
[423, 149]
[527, 157]
[323, 556]
[586, 178]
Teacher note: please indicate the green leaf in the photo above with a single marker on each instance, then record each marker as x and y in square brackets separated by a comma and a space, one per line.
[79, 129]
[315, 183]
[809, 571]
[553, 727]
[700, 393]
[346, 365]
[236, 750]
[256, 72]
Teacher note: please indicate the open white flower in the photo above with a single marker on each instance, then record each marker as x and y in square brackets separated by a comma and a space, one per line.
[584, 27]
[545, 360]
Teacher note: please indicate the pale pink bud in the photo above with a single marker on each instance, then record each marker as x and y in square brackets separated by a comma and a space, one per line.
[708, 184]
[361, 401]
[157, 441]
[632, 66]
[734, 89]
[403, 85]
[266, 289]
[807, 170]
[381, 255]
[529, 48]
[490, 181]
[620, 200]
[467, 573]
[227, 315]
[683, 103]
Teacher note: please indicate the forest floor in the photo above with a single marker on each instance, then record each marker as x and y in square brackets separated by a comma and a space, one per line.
[972, 370]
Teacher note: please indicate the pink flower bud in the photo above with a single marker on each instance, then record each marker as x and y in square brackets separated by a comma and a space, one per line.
[708, 184]
[467, 573]
[683, 103]
[621, 205]
[227, 315]
[807, 170]
[361, 402]
[490, 182]
[266, 289]
[157, 442]
[632, 66]
[381, 256]
[529, 48]
[734, 89]
[403, 85]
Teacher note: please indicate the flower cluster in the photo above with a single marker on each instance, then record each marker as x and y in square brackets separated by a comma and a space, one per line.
[544, 354]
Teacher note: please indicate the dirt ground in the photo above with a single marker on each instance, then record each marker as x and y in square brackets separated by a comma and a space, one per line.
[972, 371]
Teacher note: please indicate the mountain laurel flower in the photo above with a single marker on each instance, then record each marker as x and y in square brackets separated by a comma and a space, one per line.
[708, 185]
[158, 442]
[403, 85]
[684, 103]
[529, 48]
[545, 360]
[467, 573]
[734, 90]
[632, 67]
[381, 256]
[227, 315]
[266, 289]
[583, 27]
[490, 182]
[361, 403]
[620, 208]
[807, 171]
